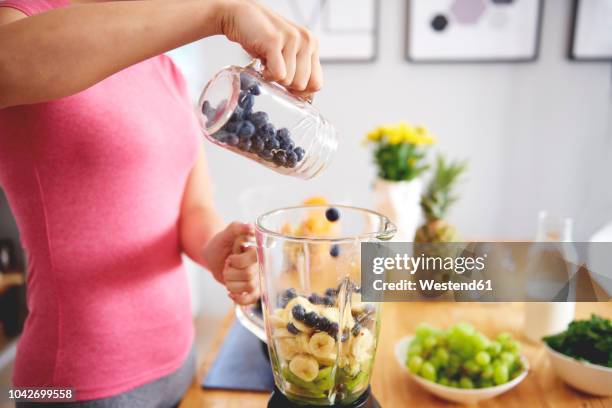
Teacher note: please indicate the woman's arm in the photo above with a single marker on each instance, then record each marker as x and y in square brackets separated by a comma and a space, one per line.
[66, 50]
[204, 239]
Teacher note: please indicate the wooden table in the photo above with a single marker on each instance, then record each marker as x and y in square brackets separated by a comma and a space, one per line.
[392, 386]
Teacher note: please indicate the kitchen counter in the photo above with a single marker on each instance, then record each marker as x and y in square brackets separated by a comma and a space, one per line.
[392, 386]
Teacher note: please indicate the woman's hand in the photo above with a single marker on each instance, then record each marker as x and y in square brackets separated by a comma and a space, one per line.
[235, 268]
[289, 52]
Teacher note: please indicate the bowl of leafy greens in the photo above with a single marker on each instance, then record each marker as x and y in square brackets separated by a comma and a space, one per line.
[582, 355]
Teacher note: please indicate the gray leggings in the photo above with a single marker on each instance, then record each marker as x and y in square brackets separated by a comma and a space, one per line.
[165, 392]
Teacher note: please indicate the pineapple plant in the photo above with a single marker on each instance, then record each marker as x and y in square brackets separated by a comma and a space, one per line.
[436, 202]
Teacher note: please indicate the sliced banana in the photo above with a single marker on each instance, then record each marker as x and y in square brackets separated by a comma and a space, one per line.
[282, 333]
[353, 368]
[327, 360]
[332, 313]
[362, 345]
[322, 345]
[302, 340]
[287, 348]
[304, 367]
[277, 318]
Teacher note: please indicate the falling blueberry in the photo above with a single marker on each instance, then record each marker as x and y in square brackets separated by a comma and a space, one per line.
[439, 22]
[332, 214]
[255, 90]
[334, 251]
[246, 81]
[292, 329]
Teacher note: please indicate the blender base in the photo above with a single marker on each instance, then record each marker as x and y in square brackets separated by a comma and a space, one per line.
[278, 400]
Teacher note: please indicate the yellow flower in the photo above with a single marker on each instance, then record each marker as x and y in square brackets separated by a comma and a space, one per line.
[401, 133]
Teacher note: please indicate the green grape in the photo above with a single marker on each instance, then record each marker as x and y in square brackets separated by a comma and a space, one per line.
[486, 383]
[466, 383]
[487, 372]
[429, 343]
[415, 349]
[480, 341]
[504, 337]
[494, 348]
[444, 381]
[415, 363]
[471, 367]
[428, 371]
[513, 346]
[516, 372]
[454, 383]
[507, 358]
[464, 329]
[500, 374]
[482, 358]
[442, 355]
[424, 330]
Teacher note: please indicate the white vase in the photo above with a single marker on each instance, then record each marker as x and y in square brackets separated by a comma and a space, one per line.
[400, 201]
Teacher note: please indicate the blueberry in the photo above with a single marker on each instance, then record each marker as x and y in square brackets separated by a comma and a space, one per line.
[268, 130]
[292, 329]
[283, 133]
[280, 158]
[328, 301]
[257, 144]
[311, 319]
[272, 144]
[266, 154]
[237, 115]
[323, 324]
[334, 250]
[299, 152]
[331, 292]
[245, 144]
[291, 159]
[221, 135]
[255, 90]
[287, 144]
[259, 119]
[246, 101]
[246, 81]
[333, 329]
[356, 329]
[208, 110]
[332, 214]
[232, 139]
[233, 127]
[287, 296]
[247, 129]
[315, 299]
[298, 312]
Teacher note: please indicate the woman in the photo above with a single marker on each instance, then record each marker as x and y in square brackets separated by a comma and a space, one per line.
[100, 160]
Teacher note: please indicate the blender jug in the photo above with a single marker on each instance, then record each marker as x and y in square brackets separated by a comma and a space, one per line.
[321, 337]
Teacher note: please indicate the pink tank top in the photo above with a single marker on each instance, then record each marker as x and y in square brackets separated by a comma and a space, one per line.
[95, 181]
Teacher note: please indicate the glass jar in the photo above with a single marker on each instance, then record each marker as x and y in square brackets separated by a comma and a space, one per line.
[242, 112]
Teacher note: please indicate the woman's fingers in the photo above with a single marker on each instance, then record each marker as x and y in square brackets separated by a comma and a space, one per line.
[239, 287]
[243, 260]
[304, 62]
[245, 299]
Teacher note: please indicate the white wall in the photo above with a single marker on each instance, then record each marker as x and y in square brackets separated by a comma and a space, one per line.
[532, 132]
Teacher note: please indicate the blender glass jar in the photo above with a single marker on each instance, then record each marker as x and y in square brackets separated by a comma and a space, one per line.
[242, 112]
[321, 337]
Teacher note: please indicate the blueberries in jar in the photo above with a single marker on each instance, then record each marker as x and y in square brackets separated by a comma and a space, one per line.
[246, 101]
[247, 129]
[238, 114]
[299, 152]
[280, 158]
[272, 144]
[245, 144]
[259, 119]
[233, 127]
[257, 144]
[266, 154]
[232, 140]
[268, 130]
[208, 110]
[291, 159]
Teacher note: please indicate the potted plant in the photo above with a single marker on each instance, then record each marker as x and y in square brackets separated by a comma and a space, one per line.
[399, 154]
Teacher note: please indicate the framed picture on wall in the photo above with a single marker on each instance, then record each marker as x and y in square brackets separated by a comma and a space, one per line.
[591, 31]
[347, 29]
[473, 30]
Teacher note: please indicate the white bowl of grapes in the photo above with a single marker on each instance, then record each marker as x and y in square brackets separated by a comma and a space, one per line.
[460, 364]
